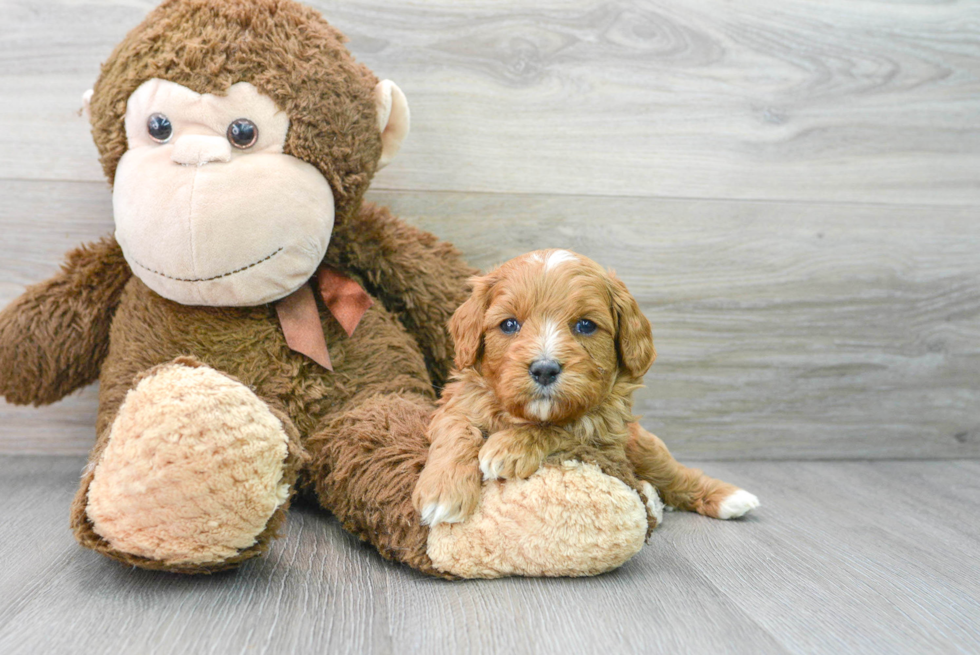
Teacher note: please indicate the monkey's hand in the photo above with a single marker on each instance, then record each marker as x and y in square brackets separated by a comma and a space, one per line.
[415, 275]
[54, 337]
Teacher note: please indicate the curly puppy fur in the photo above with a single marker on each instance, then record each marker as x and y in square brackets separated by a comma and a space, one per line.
[502, 417]
[549, 307]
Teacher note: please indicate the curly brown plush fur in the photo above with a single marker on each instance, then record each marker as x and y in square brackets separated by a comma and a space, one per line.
[356, 434]
[178, 381]
[363, 424]
[54, 338]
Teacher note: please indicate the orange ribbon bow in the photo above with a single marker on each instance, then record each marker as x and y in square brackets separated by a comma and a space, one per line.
[300, 318]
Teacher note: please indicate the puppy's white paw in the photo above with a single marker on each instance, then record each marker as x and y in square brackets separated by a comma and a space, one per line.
[738, 504]
[504, 457]
[447, 495]
[436, 513]
[491, 467]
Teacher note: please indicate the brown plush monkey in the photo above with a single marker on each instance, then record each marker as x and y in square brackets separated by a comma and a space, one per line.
[258, 330]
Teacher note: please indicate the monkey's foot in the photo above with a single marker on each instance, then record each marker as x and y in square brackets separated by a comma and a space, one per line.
[195, 469]
[571, 520]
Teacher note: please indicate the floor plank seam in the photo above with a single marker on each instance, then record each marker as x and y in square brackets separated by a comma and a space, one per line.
[623, 196]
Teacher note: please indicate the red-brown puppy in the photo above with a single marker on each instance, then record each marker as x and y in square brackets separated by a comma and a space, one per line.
[549, 349]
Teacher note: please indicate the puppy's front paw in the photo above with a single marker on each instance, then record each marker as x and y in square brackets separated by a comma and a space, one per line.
[503, 456]
[447, 496]
[737, 504]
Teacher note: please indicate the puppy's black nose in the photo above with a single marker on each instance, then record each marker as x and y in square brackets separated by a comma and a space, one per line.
[544, 371]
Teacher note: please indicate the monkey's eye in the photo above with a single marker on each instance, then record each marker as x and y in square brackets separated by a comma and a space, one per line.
[159, 128]
[585, 326]
[510, 326]
[243, 133]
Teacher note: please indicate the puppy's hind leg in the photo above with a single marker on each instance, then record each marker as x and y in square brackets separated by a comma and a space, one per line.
[681, 487]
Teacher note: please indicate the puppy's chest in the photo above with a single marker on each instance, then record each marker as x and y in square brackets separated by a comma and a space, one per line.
[598, 431]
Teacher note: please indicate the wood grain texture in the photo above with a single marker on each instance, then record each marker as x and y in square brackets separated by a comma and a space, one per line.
[839, 100]
[784, 330]
[842, 557]
[851, 556]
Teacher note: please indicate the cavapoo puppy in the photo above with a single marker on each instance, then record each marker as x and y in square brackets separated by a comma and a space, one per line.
[549, 350]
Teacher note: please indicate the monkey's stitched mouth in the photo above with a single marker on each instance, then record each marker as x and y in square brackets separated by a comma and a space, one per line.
[213, 277]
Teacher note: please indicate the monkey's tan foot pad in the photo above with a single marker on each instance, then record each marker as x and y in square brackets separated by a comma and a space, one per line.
[193, 470]
[571, 520]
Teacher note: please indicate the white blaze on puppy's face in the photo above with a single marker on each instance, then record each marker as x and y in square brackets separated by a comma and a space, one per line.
[207, 218]
[548, 293]
[558, 257]
[548, 349]
[551, 259]
[549, 340]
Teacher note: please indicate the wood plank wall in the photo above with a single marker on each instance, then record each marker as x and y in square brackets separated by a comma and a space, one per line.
[791, 189]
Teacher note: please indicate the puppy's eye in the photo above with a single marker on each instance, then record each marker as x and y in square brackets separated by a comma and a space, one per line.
[585, 326]
[510, 326]
[243, 133]
[159, 128]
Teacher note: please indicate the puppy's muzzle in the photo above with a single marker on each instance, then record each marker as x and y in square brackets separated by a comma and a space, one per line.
[544, 371]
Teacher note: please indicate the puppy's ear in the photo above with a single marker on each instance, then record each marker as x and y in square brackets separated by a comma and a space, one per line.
[466, 325]
[634, 338]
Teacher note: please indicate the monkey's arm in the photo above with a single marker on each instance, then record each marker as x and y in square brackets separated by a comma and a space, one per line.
[415, 275]
[54, 337]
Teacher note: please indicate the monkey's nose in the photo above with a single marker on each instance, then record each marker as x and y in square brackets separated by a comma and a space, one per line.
[544, 371]
[198, 150]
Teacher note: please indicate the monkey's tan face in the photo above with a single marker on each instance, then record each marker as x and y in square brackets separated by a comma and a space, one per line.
[208, 208]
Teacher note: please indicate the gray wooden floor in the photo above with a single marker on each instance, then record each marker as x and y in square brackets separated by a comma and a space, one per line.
[843, 557]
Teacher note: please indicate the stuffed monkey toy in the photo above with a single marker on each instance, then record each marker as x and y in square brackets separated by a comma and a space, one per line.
[258, 330]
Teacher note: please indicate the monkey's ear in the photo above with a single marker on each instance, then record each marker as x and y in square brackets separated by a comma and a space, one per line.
[86, 101]
[466, 324]
[393, 119]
